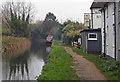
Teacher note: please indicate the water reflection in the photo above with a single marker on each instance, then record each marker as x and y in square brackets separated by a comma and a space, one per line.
[28, 65]
[48, 49]
[18, 66]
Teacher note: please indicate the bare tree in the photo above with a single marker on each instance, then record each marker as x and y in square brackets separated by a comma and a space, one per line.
[18, 8]
[17, 15]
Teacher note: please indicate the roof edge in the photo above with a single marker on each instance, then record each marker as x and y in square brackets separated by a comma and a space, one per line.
[91, 30]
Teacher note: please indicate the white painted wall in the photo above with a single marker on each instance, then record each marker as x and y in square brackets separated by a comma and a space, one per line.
[96, 18]
[87, 20]
[110, 31]
[110, 37]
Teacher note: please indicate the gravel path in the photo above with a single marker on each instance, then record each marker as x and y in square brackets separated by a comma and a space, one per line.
[85, 69]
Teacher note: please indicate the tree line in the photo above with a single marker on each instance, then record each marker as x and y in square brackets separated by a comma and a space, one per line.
[67, 32]
[49, 26]
[16, 18]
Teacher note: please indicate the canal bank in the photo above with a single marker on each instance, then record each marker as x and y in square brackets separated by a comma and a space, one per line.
[16, 44]
[58, 65]
[27, 63]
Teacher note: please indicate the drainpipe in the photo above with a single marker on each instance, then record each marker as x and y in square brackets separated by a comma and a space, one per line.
[92, 17]
[104, 34]
[115, 26]
[89, 23]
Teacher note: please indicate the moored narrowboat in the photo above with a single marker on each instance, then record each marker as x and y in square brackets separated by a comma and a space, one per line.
[49, 40]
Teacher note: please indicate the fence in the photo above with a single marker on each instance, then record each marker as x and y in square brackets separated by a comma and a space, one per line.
[76, 45]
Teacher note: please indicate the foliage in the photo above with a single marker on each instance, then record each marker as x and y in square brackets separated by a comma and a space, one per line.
[37, 30]
[72, 26]
[19, 26]
[0, 30]
[109, 68]
[6, 31]
[73, 34]
[58, 65]
[50, 25]
[71, 31]
[16, 18]
[68, 28]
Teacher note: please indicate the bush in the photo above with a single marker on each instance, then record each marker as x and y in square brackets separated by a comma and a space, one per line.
[110, 66]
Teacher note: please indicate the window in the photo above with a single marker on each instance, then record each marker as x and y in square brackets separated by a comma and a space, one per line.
[96, 12]
[92, 36]
[98, 16]
[107, 12]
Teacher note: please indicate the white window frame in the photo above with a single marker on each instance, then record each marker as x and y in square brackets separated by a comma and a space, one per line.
[92, 38]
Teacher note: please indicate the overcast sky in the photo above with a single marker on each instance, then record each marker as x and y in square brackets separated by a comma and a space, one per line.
[62, 9]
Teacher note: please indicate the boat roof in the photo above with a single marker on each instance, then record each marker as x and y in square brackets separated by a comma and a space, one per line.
[50, 36]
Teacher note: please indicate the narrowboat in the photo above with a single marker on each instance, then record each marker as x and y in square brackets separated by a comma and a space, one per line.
[49, 40]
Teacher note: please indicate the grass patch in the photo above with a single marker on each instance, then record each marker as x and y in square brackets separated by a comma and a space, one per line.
[109, 68]
[58, 65]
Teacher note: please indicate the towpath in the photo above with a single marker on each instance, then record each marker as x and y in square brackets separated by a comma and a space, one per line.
[85, 69]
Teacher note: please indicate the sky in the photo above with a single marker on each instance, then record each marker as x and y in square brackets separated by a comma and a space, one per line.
[62, 9]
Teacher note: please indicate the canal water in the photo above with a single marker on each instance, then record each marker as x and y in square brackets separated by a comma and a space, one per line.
[25, 66]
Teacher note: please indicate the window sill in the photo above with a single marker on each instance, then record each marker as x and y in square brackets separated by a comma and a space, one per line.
[92, 39]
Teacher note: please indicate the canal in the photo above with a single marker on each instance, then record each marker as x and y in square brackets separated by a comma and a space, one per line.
[27, 65]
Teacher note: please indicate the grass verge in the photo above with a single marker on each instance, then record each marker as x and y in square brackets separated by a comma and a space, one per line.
[58, 65]
[110, 69]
